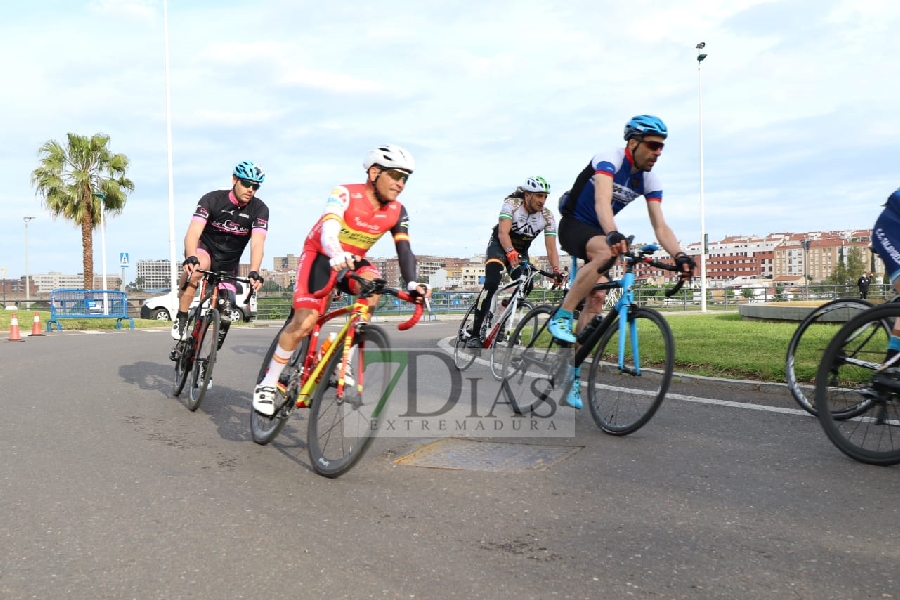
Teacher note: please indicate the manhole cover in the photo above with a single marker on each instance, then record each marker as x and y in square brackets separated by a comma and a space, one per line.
[474, 455]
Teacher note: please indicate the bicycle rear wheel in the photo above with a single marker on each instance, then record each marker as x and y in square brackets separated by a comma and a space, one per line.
[624, 400]
[532, 353]
[463, 356]
[807, 345]
[204, 359]
[501, 340]
[265, 428]
[341, 429]
[852, 383]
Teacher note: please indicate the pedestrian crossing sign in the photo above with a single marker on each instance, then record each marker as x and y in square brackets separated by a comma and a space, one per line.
[123, 259]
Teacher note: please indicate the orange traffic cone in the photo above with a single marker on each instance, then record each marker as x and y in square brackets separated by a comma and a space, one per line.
[14, 329]
[36, 326]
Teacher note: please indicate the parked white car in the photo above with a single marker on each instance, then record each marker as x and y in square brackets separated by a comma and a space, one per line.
[162, 308]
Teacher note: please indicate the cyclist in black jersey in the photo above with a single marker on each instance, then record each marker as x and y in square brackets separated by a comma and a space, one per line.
[523, 217]
[224, 223]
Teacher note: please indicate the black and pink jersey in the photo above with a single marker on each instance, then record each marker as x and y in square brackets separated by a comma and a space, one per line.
[229, 224]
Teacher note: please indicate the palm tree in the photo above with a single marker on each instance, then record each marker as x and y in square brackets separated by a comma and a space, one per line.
[79, 180]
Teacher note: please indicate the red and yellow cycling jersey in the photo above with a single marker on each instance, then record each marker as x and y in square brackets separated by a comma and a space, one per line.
[361, 224]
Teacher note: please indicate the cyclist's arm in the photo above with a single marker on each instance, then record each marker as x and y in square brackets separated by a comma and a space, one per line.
[332, 219]
[405, 256]
[192, 237]
[603, 194]
[664, 234]
[504, 226]
[552, 254]
[257, 244]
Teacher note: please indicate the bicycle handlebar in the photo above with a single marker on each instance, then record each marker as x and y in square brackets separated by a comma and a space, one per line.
[226, 277]
[372, 287]
[642, 255]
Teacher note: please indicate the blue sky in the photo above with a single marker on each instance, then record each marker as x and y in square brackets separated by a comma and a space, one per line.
[799, 110]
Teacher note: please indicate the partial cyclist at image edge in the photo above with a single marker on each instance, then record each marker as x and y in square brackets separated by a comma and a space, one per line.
[886, 243]
[587, 230]
[223, 224]
[355, 217]
[523, 217]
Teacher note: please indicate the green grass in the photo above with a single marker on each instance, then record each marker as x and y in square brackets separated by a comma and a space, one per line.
[719, 345]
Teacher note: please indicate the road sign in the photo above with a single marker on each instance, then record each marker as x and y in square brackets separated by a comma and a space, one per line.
[123, 259]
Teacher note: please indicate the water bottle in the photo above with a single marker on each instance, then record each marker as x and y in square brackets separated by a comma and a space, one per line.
[327, 344]
[589, 329]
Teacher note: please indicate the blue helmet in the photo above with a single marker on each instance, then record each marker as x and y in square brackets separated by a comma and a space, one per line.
[642, 125]
[249, 170]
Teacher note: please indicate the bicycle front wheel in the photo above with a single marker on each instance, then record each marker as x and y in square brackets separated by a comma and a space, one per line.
[204, 359]
[341, 428]
[499, 343]
[531, 354]
[857, 398]
[807, 345]
[622, 400]
[464, 356]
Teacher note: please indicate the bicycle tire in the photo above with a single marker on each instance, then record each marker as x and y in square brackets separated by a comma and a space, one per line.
[265, 428]
[184, 358]
[807, 352]
[501, 340]
[850, 378]
[271, 351]
[340, 430]
[622, 407]
[463, 357]
[533, 353]
[205, 356]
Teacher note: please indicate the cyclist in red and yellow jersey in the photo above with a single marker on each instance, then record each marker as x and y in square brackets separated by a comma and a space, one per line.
[355, 217]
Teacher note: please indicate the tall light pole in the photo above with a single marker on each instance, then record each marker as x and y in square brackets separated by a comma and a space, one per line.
[4, 285]
[27, 287]
[173, 270]
[700, 57]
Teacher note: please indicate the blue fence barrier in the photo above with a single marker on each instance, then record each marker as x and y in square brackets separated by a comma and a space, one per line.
[88, 304]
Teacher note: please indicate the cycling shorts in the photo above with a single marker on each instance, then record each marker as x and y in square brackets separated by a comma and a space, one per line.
[313, 274]
[574, 236]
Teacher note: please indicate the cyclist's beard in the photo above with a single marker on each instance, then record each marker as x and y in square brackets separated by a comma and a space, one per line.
[381, 199]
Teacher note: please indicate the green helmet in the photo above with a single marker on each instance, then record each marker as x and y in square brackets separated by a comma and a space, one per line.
[536, 184]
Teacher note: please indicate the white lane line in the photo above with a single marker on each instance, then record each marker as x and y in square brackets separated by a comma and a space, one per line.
[445, 345]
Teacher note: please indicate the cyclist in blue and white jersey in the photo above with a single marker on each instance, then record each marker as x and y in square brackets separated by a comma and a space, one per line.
[587, 230]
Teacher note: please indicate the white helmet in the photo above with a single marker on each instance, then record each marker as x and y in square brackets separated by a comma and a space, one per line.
[536, 184]
[390, 157]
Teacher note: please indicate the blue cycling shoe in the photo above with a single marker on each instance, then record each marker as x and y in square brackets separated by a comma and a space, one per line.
[561, 329]
[573, 399]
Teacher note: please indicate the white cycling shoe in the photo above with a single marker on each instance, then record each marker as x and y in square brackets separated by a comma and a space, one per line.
[264, 398]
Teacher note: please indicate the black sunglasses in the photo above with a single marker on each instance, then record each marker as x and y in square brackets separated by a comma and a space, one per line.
[654, 146]
[250, 185]
[396, 175]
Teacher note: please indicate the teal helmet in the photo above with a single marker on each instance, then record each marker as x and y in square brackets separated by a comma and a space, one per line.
[250, 171]
[642, 125]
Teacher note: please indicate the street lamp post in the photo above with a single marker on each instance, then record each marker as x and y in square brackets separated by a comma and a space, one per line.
[4, 285]
[173, 268]
[27, 286]
[806, 244]
[700, 57]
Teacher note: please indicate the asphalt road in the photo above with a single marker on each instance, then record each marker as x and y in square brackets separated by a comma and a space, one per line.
[110, 488]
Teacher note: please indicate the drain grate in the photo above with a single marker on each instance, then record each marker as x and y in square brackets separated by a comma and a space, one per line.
[474, 455]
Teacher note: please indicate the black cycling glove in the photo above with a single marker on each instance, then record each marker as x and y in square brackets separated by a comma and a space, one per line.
[191, 260]
[614, 237]
[256, 276]
[682, 259]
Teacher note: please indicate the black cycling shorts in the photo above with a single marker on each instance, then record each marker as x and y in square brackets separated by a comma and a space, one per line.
[574, 236]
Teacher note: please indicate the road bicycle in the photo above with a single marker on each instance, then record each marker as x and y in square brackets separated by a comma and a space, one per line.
[494, 334]
[631, 349]
[345, 383]
[195, 354]
[857, 393]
